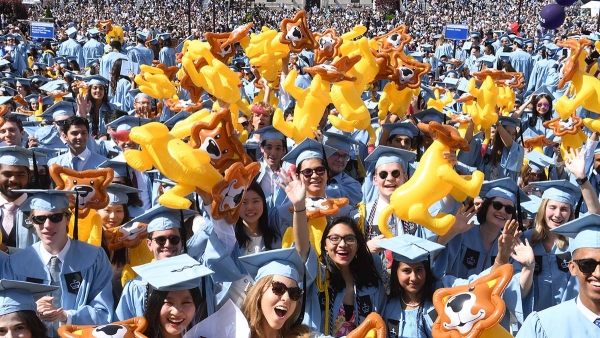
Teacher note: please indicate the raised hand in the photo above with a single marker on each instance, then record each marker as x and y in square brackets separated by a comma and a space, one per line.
[523, 253]
[575, 162]
[507, 241]
[293, 187]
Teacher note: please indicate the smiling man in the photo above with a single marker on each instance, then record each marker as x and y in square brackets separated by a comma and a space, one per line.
[76, 131]
[340, 183]
[273, 148]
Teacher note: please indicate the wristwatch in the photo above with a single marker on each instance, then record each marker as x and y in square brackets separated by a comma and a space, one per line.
[581, 181]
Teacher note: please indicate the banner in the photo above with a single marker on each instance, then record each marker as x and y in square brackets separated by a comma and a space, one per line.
[44, 30]
[457, 32]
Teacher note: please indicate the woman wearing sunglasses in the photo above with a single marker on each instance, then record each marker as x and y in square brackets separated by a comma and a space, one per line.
[541, 111]
[470, 248]
[553, 283]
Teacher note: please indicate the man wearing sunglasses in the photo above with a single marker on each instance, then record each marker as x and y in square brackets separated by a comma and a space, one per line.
[341, 184]
[578, 317]
[80, 270]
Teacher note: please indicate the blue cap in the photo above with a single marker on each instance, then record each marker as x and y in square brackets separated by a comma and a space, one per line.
[176, 273]
[410, 249]
[5, 99]
[96, 80]
[384, 155]
[269, 133]
[54, 85]
[427, 47]
[93, 32]
[71, 32]
[164, 36]
[23, 82]
[8, 90]
[552, 48]
[505, 56]
[282, 262]
[338, 141]
[153, 41]
[583, 232]
[48, 137]
[508, 121]
[467, 45]
[60, 108]
[308, 148]
[529, 134]
[21, 296]
[137, 93]
[117, 193]
[42, 155]
[488, 60]
[46, 199]
[538, 161]
[559, 190]
[475, 34]
[402, 128]
[141, 35]
[91, 62]
[127, 122]
[430, 114]
[418, 56]
[162, 218]
[503, 188]
[182, 115]
[518, 41]
[544, 90]
[504, 36]
[15, 155]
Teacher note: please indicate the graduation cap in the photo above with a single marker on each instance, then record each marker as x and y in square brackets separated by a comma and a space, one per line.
[384, 155]
[499, 33]
[269, 133]
[153, 41]
[117, 193]
[508, 121]
[467, 45]
[529, 134]
[39, 79]
[552, 48]
[475, 34]
[282, 262]
[160, 218]
[8, 80]
[21, 296]
[127, 122]
[308, 148]
[71, 32]
[544, 90]
[7, 90]
[531, 207]
[93, 32]
[118, 164]
[4, 63]
[5, 99]
[583, 232]
[528, 42]
[137, 93]
[430, 114]
[505, 56]
[418, 56]
[60, 108]
[23, 82]
[182, 115]
[410, 249]
[450, 74]
[180, 272]
[338, 141]
[43, 154]
[15, 155]
[46, 199]
[518, 41]
[164, 36]
[96, 80]
[427, 47]
[503, 188]
[141, 35]
[91, 62]
[559, 190]
[487, 60]
[504, 36]
[463, 85]
[402, 128]
[538, 161]
[54, 85]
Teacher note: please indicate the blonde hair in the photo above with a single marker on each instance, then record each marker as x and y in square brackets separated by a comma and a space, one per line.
[541, 229]
[252, 311]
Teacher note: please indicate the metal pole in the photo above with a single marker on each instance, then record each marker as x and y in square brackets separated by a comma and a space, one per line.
[213, 12]
[189, 17]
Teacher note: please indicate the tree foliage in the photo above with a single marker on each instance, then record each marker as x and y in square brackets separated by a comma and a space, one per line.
[13, 9]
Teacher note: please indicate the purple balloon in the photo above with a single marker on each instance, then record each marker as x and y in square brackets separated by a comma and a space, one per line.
[566, 3]
[552, 16]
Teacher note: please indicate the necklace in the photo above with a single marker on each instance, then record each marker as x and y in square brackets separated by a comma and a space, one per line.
[409, 304]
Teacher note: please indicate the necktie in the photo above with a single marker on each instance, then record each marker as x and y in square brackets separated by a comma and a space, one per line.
[76, 160]
[597, 322]
[55, 275]
[8, 218]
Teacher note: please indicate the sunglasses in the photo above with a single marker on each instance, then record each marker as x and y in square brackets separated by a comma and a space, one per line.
[309, 171]
[54, 218]
[587, 265]
[245, 124]
[498, 206]
[60, 123]
[384, 174]
[545, 105]
[336, 239]
[162, 240]
[279, 289]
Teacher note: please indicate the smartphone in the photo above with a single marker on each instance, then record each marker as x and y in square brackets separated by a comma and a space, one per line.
[565, 52]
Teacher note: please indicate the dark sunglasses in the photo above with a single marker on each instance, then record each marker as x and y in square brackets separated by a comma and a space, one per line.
[498, 206]
[545, 105]
[309, 171]
[54, 218]
[279, 289]
[60, 123]
[245, 124]
[384, 174]
[162, 240]
[587, 265]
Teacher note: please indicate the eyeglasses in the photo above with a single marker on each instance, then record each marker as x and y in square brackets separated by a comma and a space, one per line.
[337, 156]
[245, 124]
[279, 289]
[309, 171]
[587, 265]
[336, 239]
[54, 218]
[508, 208]
[384, 174]
[545, 105]
[162, 240]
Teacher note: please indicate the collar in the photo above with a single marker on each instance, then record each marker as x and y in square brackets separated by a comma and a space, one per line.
[587, 313]
[83, 156]
[16, 202]
[62, 255]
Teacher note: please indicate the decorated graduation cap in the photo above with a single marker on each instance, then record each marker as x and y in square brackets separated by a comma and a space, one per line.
[559, 190]
[71, 32]
[307, 149]
[96, 80]
[117, 193]
[410, 249]
[430, 114]
[160, 218]
[21, 296]
[282, 262]
[127, 122]
[46, 199]
[538, 161]
[338, 141]
[503, 188]
[60, 108]
[384, 155]
[180, 272]
[182, 115]
[583, 232]
[402, 128]
[269, 133]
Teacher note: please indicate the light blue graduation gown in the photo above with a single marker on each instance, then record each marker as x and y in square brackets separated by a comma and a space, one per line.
[64, 160]
[563, 320]
[343, 185]
[93, 49]
[119, 98]
[552, 281]
[18, 57]
[538, 128]
[107, 62]
[522, 62]
[26, 234]
[509, 165]
[141, 55]
[278, 197]
[539, 73]
[166, 56]
[85, 280]
[73, 48]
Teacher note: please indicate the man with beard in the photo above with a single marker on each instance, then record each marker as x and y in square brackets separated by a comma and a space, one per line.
[14, 175]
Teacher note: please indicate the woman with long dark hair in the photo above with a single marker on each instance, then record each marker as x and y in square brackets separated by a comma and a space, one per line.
[119, 85]
[18, 310]
[95, 104]
[166, 55]
[541, 111]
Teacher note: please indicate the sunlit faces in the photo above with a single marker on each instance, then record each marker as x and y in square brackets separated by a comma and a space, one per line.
[176, 313]
[169, 249]
[343, 252]
[589, 283]
[112, 216]
[512, 131]
[337, 162]
[260, 120]
[389, 184]
[125, 143]
[498, 218]
[53, 235]
[252, 207]
[10, 134]
[77, 137]
[142, 107]
[12, 177]
[411, 277]
[315, 183]
[542, 106]
[272, 152]
[556, 213]
[97, 91]
[277, 309]
[11, 325]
